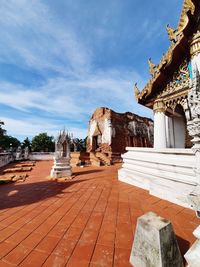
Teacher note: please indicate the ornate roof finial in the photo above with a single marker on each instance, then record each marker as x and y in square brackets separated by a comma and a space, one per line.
[152, 67]
[189, 5]
[171, 33]
[137, 91]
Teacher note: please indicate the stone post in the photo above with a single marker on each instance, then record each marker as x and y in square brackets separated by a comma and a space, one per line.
[160, 138]
[155, 243]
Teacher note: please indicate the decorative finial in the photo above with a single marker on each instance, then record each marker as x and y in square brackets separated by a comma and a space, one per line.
[137, 91]
[171, 33]
[189, 5]
[152, 67]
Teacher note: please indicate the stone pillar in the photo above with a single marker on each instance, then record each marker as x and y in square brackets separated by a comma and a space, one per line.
[160, 138]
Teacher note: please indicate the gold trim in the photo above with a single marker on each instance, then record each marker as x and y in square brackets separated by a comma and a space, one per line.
[195, 44]
[159, 106]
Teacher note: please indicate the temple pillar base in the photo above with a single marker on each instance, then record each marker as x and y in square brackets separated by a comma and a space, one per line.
[61, 168]
[193, 255]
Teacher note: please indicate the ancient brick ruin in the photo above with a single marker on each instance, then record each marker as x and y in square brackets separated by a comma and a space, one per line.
[111, 132]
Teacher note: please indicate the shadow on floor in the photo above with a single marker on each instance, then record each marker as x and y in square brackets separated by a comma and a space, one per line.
[15, 194]
[184, 246]
[86, 172]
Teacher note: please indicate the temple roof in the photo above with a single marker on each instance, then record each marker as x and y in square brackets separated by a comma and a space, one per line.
[179, 42]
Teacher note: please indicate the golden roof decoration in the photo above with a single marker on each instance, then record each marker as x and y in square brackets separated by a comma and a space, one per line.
[137, 91]
[171, 33]
[152, 67]
[176, 36]
[188, 5]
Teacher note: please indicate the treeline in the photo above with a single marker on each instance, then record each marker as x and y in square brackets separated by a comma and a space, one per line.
[39, 143]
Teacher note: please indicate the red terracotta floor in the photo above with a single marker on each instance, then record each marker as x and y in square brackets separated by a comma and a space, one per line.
[87, 221]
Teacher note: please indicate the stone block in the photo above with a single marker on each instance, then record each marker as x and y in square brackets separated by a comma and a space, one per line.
[193, 255]
[155, 243]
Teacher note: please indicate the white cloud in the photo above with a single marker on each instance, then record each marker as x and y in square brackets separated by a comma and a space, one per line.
[33, 37]
[75, 97]
[23, 128]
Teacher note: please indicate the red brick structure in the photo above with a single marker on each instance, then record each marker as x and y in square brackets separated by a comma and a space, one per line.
[111, 132]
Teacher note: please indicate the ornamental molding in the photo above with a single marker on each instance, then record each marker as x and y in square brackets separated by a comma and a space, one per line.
[159, 106]
[188, 7]
[195, 44]
[179, 81]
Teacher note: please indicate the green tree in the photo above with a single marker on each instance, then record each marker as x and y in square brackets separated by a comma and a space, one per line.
[80, 144]
[43, 143]
[6, 142]
[26, 143]
[2, 131]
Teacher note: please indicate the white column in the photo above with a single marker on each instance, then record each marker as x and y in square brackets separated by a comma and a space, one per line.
[160, 138]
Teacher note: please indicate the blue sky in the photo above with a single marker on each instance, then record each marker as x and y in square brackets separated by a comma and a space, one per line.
[60, 60]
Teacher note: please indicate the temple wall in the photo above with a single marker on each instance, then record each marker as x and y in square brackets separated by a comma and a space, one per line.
[165, 173]
[5, 158]
[41, 156]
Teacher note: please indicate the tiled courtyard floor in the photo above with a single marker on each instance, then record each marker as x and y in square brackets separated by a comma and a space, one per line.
[87, 221]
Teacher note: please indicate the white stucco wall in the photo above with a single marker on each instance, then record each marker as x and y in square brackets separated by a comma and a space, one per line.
[92, 127]
[107, 132]
[41, 156]
[195, 61]
[106, 128]
[5, 158]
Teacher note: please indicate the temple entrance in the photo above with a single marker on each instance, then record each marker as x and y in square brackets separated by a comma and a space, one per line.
[64, 148]
[176, 129]
[96, 142]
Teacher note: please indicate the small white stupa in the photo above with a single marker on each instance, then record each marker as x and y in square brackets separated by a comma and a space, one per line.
[61, 167]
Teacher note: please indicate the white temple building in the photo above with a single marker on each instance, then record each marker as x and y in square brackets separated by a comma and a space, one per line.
[171, 169]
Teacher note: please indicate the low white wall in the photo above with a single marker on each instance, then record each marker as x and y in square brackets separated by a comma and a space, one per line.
[166, 173]
[5, 158]
[41, 156]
